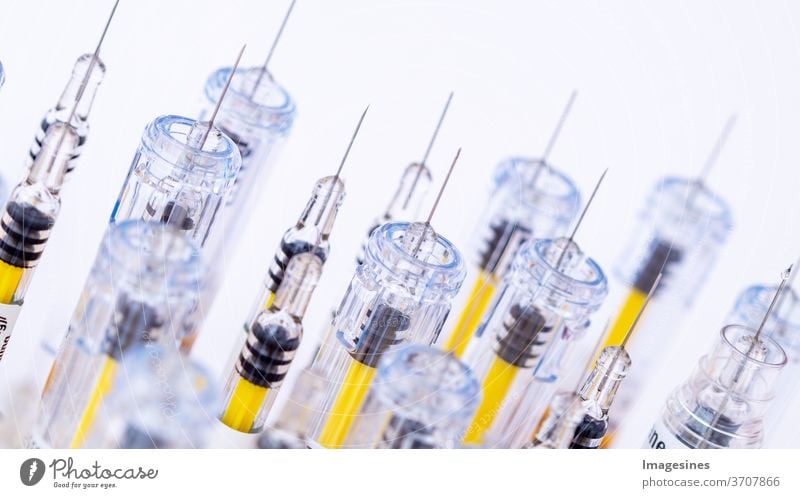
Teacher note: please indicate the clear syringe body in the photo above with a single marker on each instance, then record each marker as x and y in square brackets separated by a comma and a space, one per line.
[163, 402]
[530, 199]
[682, 229]
[597, 395]
[265, 353]
[34, 204]
[723, 403]
[143, 288]
[59, 114]
[404, 205]
[259, 122]
[545, 305]
[311, 233]
[422, 398]
[180, 175]
[401, 294]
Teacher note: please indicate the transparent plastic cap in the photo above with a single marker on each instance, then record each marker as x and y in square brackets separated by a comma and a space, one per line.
[575, 288]
[532, 191]
[429, 386]
[743, 367]
[174, 181]
[74, 93]
[270, 107]
[783, 324]
[682, 227]
[611, 368]
[435, 268]
[163, 401]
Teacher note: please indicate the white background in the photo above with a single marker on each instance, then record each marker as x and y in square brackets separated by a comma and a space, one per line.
[656, 81]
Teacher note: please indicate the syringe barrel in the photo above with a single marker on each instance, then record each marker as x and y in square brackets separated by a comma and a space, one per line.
[414, 288]
[406, 202]
[543, 308]
[682, 228]
[311, 233]
[173, 181]
[401, 294]
[258, 123]
[422, 397]
[529, 199]
[723, 402]
[61, 112]
[143, 288]
[164, 401]
[2, 75]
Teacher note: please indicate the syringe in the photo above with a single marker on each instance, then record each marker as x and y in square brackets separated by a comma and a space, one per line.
[422, 397]
[400, 294]
[293, 422]
[143, 288]
[597, 394]
[181, 173]
[312, 230]
[257, 114]
[530, 199]
[783, 326]
[413, 186]
[164, 400]
[2, 75]
[274, 330]
[684, 226]
[546, 303]
[34, 204]
[722, 404]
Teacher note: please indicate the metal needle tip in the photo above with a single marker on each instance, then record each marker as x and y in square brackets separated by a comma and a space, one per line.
[784, 278]
[580, 218]
[275, 41]
[641, 310]
[222, 96]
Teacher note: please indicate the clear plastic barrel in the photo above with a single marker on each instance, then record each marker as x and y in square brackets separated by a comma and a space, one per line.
[530, 199]
[177, 180]
[143, 288]
[546, 304]
[723, 403]
[400, 294]
[422, 398]
[163, 401]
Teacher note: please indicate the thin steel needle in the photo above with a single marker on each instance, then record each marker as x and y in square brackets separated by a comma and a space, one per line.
[277, 38]
[554, 137]
[84, 84]
[580, 219]
[341, 166]
[436, 202]
[424, 161]
[222, 97]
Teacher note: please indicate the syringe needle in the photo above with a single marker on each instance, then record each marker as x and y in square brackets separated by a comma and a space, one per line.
[580, 218]
[784, 278]
[436, 203]
[711, 160]
[641, 310]
[84, 83]
[93, 62]
[424, 161]
[350, 145]
[275, 41]
[441, 189]
[335, 182]
[222, 97]
[557, 131]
